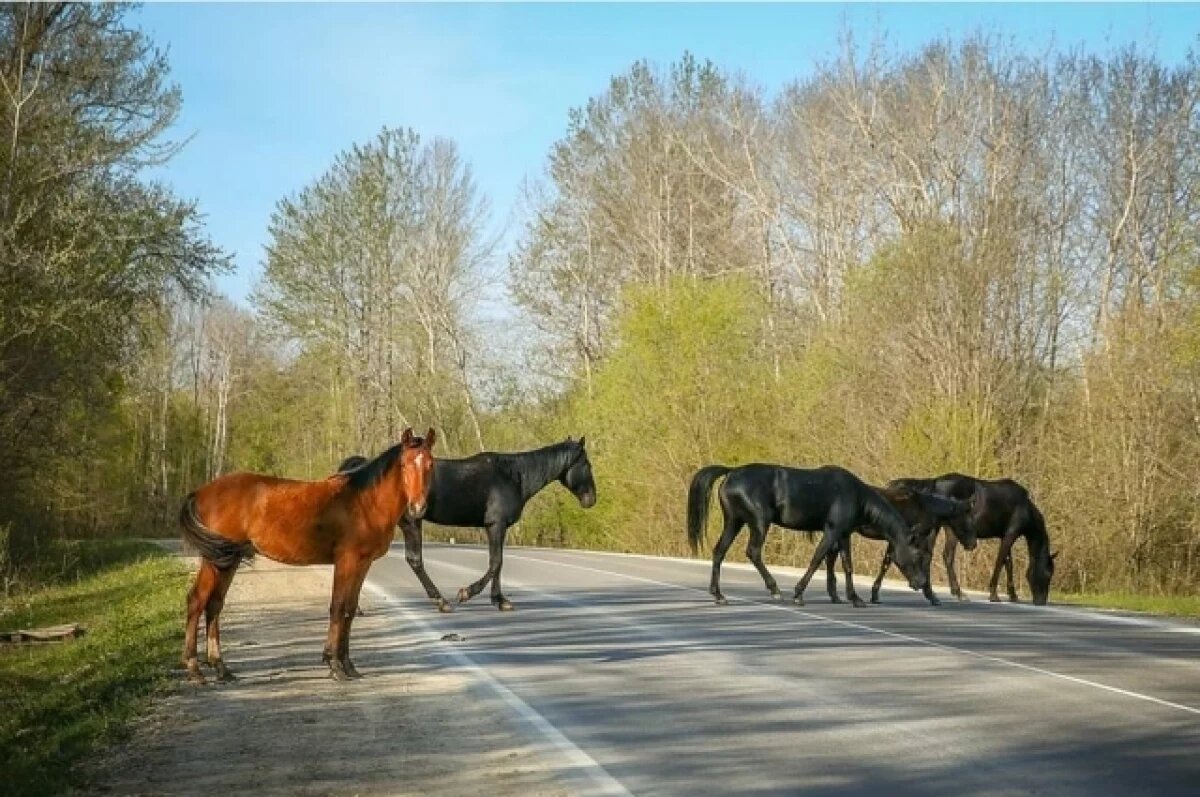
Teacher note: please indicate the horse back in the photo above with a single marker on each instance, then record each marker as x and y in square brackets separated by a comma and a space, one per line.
[463, 491]
[290, 521]
[802, 499]
[999, 503]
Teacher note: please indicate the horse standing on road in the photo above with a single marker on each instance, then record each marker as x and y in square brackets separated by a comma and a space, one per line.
[489, 490]
[831, 500]
[1001, 509]
[925, 514]
[347, 520]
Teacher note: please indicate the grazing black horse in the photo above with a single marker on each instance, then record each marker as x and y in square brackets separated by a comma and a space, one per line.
[1002, 509]
[490, 490]
[925, 513]
[829, 499]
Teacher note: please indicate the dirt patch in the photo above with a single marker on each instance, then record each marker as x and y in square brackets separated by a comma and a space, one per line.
[407, 727]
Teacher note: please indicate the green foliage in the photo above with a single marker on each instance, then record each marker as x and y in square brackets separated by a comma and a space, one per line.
[89, 250]
[680, 389]
[943, 436]
[62, 700]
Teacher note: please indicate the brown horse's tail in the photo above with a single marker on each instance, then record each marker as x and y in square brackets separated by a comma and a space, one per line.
[697, 508]
[212, 546]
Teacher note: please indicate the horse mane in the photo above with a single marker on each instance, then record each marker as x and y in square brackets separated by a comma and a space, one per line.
[350, 463]
[366, 476]
[534, 469]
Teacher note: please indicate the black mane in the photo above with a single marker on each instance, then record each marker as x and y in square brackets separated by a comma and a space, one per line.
[363, 476]
[537, 468]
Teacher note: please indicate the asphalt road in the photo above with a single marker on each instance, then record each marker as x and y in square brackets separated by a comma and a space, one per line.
[634, 682]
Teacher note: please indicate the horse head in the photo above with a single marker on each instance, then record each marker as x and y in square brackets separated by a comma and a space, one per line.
[1039, 574]
[416, 470]
[577, 476]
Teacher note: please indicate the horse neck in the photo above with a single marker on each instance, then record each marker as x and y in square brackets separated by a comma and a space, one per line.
[1037, 539]
[535, 469]
[387, 495]
[883, 516]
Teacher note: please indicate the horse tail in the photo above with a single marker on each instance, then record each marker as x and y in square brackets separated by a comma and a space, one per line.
[698, 493]
[223, 553]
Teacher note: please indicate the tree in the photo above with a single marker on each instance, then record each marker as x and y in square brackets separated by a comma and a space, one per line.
[376, 265]
[88, 246]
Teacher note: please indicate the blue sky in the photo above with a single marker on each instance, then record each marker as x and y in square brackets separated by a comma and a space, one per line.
[273, 92]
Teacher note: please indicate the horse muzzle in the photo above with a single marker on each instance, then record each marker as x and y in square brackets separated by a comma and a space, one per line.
[416, 511]
[587, 500]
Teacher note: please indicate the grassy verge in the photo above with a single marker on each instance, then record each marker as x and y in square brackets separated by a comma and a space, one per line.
[1177, 606]
[58, 701]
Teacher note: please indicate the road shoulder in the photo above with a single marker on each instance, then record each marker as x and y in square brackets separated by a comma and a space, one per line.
[410, 726]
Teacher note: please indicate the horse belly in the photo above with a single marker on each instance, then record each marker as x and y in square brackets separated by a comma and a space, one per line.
[292, 532]
[798, 519]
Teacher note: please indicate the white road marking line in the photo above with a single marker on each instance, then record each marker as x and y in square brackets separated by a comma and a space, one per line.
[600, 781]
[893, 634]
[1098, 615]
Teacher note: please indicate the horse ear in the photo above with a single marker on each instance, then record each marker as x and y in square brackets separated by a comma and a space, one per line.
[406, 438]
[430, 437]
[1053, 556]
[581, 440]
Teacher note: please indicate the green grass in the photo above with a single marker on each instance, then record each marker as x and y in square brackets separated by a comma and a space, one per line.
[59, 701]
[1175, 605]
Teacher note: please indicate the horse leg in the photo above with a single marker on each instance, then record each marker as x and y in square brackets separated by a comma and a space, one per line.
[202, 587]
[848, 566]
[343, 650]
[733, 527]
[212, 629]
[928, 591]
[949, 548]
[1008, 570]
[412, 554]
[496, 540]
[883, 568]
[758, 536]
[495, 552]
[1004, 555]
[827, 543]
[831, 576]
[345, 569]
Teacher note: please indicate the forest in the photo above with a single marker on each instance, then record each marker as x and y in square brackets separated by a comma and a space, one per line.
[964, 258]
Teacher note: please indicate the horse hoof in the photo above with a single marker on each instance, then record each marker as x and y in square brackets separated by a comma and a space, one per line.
[1013, 599]
[777, 595]
[505, 606]
[962, 598]
[444, 606]
[994, 598]
[835, 600]
[721, 601]
[798, 600]
[935, 602]
[858, 604]
[463, 595]
[874, 599]
[226, 677]
[338, 673]
[196, 678]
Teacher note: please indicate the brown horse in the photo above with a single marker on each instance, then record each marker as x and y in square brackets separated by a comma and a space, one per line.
[347, 520]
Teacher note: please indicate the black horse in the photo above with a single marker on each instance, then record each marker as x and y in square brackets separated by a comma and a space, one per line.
[489, 490]
[1002, 509]
[925, 514]
[829, 499]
